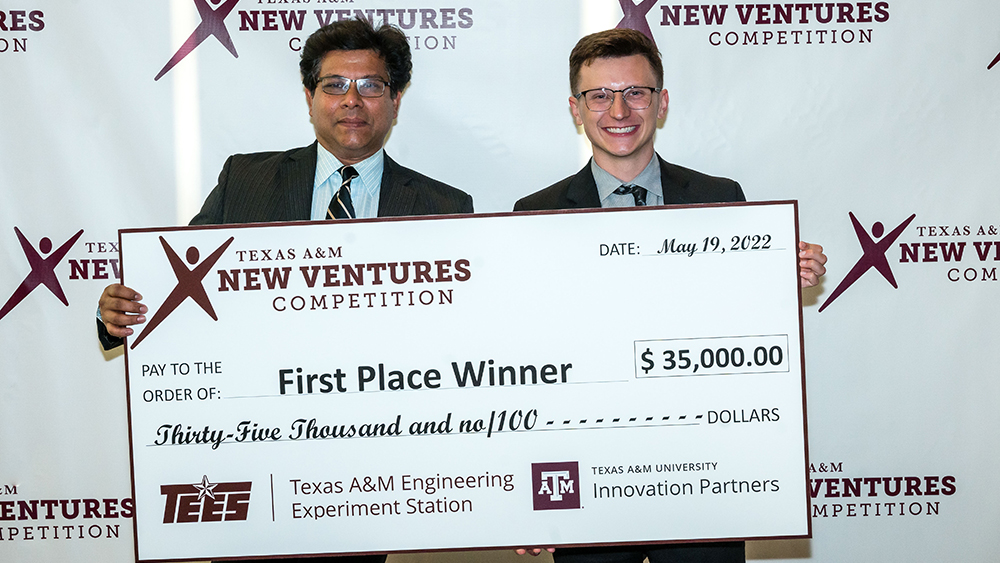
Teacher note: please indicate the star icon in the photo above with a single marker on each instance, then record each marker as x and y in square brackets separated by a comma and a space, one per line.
[205, 488]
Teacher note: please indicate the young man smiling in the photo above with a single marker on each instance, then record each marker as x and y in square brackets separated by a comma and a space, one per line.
[616, 77]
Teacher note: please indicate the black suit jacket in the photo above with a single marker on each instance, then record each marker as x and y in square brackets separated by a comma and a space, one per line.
[680, 185]
[278, 186]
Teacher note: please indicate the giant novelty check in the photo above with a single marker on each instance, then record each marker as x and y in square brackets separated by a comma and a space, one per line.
[440, 383]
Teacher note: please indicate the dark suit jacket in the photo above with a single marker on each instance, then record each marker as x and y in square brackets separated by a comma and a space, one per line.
[680, 185]
[278, 186]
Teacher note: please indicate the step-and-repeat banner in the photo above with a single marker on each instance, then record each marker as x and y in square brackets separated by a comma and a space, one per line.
[880, 118]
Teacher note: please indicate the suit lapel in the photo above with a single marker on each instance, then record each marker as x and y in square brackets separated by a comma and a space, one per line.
[396, 196]
[582, 190]
[294, 184]
[673, 186]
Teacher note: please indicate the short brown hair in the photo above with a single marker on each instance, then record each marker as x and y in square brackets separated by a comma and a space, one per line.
[613, 43]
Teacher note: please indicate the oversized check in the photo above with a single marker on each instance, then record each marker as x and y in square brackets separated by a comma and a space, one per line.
[461, 382]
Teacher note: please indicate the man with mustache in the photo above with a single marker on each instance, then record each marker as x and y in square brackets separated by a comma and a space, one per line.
[354, 76]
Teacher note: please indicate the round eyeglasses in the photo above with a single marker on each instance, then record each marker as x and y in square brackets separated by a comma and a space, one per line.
[601, 99]
[367, 87]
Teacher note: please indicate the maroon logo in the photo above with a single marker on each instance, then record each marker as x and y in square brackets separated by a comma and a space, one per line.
[213, 22]
[206, 502]
[635, 16]
[555, 486]
[995, 61]
[43, 270]
[873, 255]
[188, 285]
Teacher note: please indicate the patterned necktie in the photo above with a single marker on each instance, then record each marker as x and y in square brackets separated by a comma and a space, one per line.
[638, 193]
[341, 206]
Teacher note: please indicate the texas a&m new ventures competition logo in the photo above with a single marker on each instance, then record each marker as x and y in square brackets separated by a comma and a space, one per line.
[555, 486]
[961, 252]
[43, 269]
[426, 28]
[206, 502]
[189, 284]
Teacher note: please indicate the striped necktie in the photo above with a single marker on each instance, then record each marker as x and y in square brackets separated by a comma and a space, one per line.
[341, 206]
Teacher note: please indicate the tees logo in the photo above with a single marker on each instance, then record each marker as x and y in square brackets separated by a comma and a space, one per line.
[188, 285]
[555, 486]
[873, 256]
[213, 22]
[206, 502]
[43, 270]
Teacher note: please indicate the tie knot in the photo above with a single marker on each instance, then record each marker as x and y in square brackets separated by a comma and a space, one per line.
[347, 173]
[638, 193]
[341, 206]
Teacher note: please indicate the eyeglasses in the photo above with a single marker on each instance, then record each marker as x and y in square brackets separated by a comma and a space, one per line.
[367, 87]
[601, 99]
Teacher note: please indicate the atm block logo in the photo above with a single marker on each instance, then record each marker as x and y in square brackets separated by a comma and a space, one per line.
[206, 502]
[555, 486]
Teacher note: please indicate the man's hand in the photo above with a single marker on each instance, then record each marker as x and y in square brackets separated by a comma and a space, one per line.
[811, 261]
[120, 308]
[533, 550]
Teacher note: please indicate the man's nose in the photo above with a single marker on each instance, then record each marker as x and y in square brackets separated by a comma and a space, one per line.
[352, 98]
[619, 109]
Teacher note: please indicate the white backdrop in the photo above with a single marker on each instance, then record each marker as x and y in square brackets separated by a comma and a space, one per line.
[898, 117]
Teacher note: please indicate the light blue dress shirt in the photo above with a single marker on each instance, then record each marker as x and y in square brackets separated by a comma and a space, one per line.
[364, 189]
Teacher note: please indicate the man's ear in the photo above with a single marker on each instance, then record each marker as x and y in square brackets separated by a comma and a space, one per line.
[309, 101]
[395, 103]
[574, 108]
[661, 112]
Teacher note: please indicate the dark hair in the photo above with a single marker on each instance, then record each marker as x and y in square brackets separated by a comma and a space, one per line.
[388, 42]
[613, 43]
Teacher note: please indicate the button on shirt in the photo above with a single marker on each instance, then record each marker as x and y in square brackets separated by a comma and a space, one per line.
[364, 189]
[649, 178]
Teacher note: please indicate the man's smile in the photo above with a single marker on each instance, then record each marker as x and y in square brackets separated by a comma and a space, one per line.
[621, 130]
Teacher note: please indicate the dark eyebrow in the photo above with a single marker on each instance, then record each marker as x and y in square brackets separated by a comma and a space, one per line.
[345, 78]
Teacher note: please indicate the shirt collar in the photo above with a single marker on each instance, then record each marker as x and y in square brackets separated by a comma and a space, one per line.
[649, 178]
[369, 170]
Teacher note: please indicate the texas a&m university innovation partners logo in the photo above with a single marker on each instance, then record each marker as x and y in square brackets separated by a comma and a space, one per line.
[206, 502]
[555, 486]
